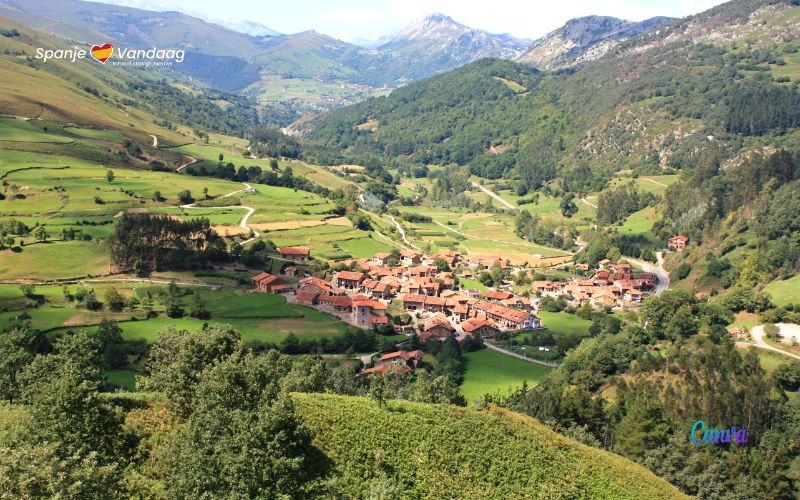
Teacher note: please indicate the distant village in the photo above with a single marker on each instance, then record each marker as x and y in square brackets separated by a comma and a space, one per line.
[437, 306]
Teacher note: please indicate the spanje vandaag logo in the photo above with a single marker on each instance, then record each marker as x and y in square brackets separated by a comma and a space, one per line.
[118, 56]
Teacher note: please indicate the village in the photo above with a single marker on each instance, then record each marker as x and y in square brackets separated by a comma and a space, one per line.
[374, 293]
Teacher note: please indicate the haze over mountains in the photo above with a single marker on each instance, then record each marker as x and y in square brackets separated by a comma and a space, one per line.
[296, 74]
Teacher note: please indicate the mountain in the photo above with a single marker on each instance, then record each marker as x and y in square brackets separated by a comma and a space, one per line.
[584, 39]
[244, 26]
[366, 441]
[436, 42]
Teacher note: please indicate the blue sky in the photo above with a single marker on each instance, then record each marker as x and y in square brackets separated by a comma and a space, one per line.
[369, 19]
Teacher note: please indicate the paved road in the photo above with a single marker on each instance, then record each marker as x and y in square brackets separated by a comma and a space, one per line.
[519, 356]
[757, 332]
[495, 196]
[243, 223]
[663, 276]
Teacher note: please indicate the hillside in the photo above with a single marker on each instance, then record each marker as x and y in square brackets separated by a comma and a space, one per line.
[437, 451]
[584, 39]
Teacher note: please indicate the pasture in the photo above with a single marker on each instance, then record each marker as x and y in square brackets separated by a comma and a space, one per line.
[489, 372]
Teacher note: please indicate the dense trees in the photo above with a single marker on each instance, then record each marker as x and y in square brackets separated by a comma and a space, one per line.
[760, 107]
[143, 243]
[616, 204]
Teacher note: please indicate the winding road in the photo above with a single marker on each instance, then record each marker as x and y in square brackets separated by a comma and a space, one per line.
[243, 223]
[757, 332]
[587, 202]
[495, 196]
[402, 233]
[663, 276]
[155, 140]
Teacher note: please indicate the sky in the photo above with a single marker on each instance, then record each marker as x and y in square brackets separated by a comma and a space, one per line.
[359, 20]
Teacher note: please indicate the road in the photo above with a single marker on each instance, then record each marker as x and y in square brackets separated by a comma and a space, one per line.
[402, 233]
[587, 202]
[663, 276]
[243, 223]
[192, 160]
[490, 239]
[495, 196]
[519, 356]
[155, 140]
[757, 332]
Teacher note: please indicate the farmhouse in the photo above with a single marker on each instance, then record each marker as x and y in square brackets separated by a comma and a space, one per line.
[483, 327]
[295, 253]
[269, 283]
[436, 328]
[316, 285]
[677, 243]
[401, 358]
[505, 317]
[349, 280]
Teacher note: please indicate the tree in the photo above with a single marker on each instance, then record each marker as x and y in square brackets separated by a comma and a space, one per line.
[178, 358]
[185, 196]
[242, 438]
[568, 206]
[787, 376]
[114, 300]
[40, 233]
[15, 355]
[110, 176]
[379, 388]
[157, 196]
[28, 290]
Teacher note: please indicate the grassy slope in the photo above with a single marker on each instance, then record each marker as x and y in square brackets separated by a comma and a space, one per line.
[784, 292]
[489, 372]
[436, 451]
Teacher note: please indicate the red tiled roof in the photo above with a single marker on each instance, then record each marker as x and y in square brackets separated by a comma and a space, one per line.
[306, 296]
[260, 276]
[434, 322]
[385, 369]
[492, 294]
[372, 304]
[379, 320]
[342, 301]
[350, 275]
[473, 324]
[403, 354]
[413, 297]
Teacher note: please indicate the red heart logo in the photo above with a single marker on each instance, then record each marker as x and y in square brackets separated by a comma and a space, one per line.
[102, 52]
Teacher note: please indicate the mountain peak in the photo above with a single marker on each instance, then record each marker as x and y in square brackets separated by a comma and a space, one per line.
[583, 39]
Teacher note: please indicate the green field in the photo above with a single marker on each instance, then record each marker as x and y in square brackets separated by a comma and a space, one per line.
[123, 378]
[784, 292]
[15, 130]
[489, 372]
[52, 260]
[565, 323]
